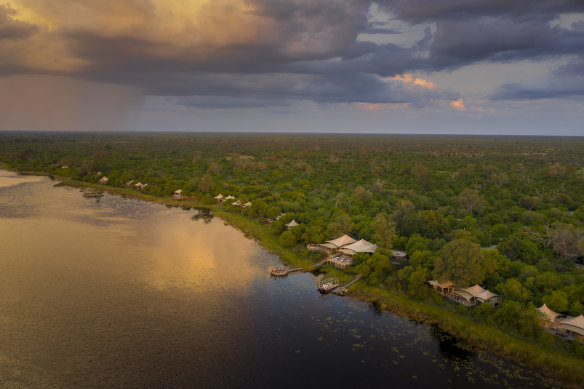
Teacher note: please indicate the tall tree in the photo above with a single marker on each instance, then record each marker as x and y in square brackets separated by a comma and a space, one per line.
[461, 262]
[385, 231]
[471, 199]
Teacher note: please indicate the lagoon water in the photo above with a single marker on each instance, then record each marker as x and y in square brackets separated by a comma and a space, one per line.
[112, 292]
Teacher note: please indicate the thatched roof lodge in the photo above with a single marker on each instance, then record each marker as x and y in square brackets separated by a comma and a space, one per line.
[293, 223]
[336, 244]
[361, 246]
[572, 325]
[477, 295]
[177, 194]
[443, 288]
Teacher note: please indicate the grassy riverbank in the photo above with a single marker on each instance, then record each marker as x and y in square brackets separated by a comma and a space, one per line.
[476, 334]
[479, 335]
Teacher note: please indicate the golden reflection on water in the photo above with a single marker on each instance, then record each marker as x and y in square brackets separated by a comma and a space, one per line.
[9, 179]
[80, 274]
[181, 256]
[164, 249]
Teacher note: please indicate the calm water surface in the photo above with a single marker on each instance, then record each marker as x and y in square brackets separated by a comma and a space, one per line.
[114, 292]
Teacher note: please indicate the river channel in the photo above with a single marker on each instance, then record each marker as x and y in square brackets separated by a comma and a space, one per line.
[97, 290]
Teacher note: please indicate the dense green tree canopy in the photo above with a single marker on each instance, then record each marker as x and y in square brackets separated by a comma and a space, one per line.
[461, 262]
[502, 211]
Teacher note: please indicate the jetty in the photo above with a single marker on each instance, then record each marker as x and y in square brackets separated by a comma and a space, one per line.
[343, 289]
[282, 272]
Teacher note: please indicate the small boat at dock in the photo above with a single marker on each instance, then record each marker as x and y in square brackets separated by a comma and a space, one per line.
[327, 285]
[279, 272]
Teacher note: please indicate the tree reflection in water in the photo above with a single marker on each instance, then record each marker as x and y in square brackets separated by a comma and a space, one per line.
[204, 214]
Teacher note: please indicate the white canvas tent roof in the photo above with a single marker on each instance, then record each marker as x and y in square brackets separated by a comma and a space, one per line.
[229, 198]
[293, 223]
[218, 197]
[178, 191]
[464, 294]
[399, 254]
[487, 295]
[361, 246]
[574, 324]
[338, 242]
[477, 292]
[549, 314]
[248, 204]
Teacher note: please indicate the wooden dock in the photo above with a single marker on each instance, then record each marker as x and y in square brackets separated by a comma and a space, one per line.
[342, 290]
[282, 272]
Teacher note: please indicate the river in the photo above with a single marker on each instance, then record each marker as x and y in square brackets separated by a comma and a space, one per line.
[104, 291]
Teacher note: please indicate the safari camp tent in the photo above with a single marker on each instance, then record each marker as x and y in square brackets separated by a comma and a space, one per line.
[477, 295]
[335, 244]
[361, 246]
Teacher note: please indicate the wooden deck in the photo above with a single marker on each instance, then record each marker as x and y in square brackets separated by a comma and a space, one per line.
[282, 272]
[339, 261]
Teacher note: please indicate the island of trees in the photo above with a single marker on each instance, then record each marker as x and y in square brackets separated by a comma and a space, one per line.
[503, 212]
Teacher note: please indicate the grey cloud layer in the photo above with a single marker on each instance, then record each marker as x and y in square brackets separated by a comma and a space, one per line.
[13, 29]
[309, 50]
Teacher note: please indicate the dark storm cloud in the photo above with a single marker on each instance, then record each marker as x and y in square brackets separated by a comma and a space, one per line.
[13, 29]
[421, 11]
[502, 39]
[272, 52]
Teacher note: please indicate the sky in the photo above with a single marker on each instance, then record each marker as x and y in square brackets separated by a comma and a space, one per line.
[359, 66]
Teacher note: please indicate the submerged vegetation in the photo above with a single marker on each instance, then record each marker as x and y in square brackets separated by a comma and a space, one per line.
[504, 212]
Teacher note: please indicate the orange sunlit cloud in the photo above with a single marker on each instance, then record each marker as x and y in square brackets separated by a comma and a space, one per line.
[409, 79]
[167, 27]
[458, 105]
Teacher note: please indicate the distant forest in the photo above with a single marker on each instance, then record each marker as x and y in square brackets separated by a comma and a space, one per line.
[504, 212]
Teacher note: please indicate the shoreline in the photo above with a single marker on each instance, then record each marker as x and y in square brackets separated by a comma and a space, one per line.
[554, 362]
